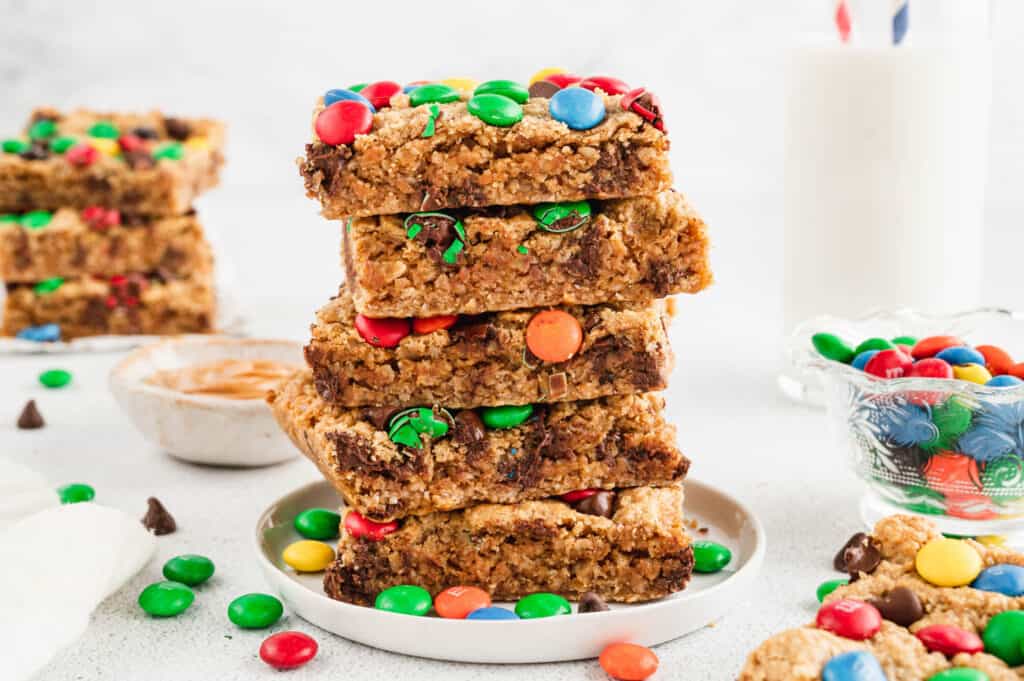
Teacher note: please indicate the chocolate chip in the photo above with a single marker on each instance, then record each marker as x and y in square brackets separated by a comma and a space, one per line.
[139, 160]
[30, 418]
[145, 132]
[591, 602]
[900, 606]
[468, 427]
[597, 504]
[177, 128]
[379, 416]
[37, 152]
[474, 329]
[437, 233]
[543, 88]
[157, 520]
[859, 554]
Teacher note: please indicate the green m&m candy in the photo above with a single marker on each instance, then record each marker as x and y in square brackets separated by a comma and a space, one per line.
[507, 416]
[166, 599]
[318, 523]
[831, 346]
[709, 556]
[76, 493]
[404, 599]
[104, 129]
[172, 151]
[357, 87]
[904, 340]
[560, 218]
[190, 569]
[873, 344]
[542, 605]
[433, 93]
[517, 92]
[48, 285]
[42, 129]
[1004, 637]
[255, 611]
[960, 674]
[9, 218]
[496, 110]
[55, 378]
[14, 146]
[59, 145]
[825, 588]
[36, 219]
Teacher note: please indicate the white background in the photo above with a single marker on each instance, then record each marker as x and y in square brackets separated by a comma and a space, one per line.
[717, 66]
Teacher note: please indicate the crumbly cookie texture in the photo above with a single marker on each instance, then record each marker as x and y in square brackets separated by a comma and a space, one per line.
[612, 442]
[466, 162]
[627, 252]
[640, 553]
[800, 654]
[69, 246]
[142, 181]
[482, 360]
[91, 307]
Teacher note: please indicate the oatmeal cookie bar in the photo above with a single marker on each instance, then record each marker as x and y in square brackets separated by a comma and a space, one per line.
[640, 553]
[386, 467]
[926, 627]
[146, 164]
[123, 305]
[394, 168]
[69, 243]
[627, 251]
[483, 360]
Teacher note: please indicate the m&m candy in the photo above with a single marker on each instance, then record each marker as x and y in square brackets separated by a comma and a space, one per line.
[362, 528]
[579, 109]
[628, 661]
[997, 360]
[166, 599]
[381, 92]
[850, 618]
[317, 523]
[342, 121]
[554, 335]
[189, 569]
[1001, 578]
[458, 602]
[492, 614]
[948, 562]
[341, 94]
[949, 640]
[890, 363]
[933, 345]
[255, 611]
[382, 332]
[961, 354]
[495, 109]
[709, 556]
[856, 665]
[542, 605]
[973, 373]
[308, 556]
[405, 599]
[607, 84]
[288, 650]
[1004, 637]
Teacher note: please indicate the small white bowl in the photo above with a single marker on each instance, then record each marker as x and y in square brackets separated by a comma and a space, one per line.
[200, 428]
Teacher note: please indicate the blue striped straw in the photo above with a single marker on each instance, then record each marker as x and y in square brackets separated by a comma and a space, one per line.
[900, 20]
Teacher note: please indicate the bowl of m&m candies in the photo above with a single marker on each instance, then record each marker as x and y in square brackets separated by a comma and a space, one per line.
[931, 418]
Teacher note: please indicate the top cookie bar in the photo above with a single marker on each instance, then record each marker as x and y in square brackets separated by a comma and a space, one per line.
[436, 148]
[147, 164]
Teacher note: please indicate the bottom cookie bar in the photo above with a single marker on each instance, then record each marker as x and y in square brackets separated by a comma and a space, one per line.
[133, 304]
[640, 553]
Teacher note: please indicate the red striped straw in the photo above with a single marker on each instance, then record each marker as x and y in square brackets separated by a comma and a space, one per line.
[843, 21]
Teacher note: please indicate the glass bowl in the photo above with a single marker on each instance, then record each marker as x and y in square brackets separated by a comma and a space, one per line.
[949, 449]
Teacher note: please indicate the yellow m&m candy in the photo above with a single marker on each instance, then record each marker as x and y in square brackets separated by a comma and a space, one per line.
[107, 147]
[975, 373]
[197, 142]
[948, 562]
[308, 556]
[544, 73]
[463, 84]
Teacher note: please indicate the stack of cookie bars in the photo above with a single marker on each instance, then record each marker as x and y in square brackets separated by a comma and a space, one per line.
[97, 231]
[480, 390]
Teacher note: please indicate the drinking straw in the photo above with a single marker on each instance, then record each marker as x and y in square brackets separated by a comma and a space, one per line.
[900, 20]
[843, 21]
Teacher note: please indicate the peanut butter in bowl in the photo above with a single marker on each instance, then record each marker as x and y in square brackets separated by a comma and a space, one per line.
[236, 379]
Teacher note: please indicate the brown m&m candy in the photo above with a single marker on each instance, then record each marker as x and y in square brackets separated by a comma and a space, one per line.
[900, 606]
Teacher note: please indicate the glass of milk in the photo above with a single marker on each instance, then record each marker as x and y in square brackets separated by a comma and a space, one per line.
[885, 160]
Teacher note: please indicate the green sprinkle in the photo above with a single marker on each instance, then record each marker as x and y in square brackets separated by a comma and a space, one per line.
[451, 254]
[104, 129]
[357, 87]
[172, 151]
[429, 130]
[36, 219]
[43, 129]
[48, 285]
[55, 378]
[76, 493]
[13, 146]
[522, 249]
[59, 145]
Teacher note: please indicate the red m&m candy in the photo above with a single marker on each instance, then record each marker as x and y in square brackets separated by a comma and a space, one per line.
[578, 495]
[933, 345]
[930, 367]
[382, 332]
[82, 155]
[381, 92]
[997, 361]
[342, 121]
[423, 325]
[458, 601]
[949, 640]
[361, 528]
[851, 619]
[563, 80]
[288, 650]
[889, 364]
[611, 86]
[644, 104]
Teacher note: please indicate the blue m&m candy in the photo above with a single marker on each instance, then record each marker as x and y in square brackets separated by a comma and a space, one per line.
[578, 108]
[861, 360]
[341, 94]
[492, 614]
[46, 333]
[1004, 381]
[1001, 578]
[962, 355]
[857, 665]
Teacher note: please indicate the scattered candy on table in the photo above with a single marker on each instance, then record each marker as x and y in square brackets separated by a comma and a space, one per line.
[55, 378]
[30, 418]
[255, 611]
[827, 587]
[458, 602]
[189, 569]
[308, 556]
[628, 661]
[405, 599]
[288, 650]
[166, 599]
[709, 556]
[318, 523]
[76, 493]
[542, 605]
[158, 519]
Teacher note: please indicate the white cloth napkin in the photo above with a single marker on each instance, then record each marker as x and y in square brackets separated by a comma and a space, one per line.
[58, 563]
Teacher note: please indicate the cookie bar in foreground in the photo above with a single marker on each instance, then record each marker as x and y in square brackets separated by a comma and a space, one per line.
[69, 243]
[640, 553]
[942, 603]
[143, 164]
[394, 168]
[627, 251]
[387, 465]
[133, 304]
[483, 360]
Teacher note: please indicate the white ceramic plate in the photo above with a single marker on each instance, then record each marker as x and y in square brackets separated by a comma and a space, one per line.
[571, 637]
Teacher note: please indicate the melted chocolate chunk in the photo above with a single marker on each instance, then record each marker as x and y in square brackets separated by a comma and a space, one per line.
[157, 519]
[30, 418]
[37, 152]
[586, 262]
[379, 416]
[900, 606]
[139, 160]
[323, 164]
[601, 504]
[145, 132]
[591, 602]
[859, 554]
[469, 429]
[177, 128]
[437, 233]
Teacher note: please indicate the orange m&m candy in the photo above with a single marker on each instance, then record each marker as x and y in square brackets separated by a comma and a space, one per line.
[423, 325]
[456, 602]
[997, 360]
[933, 345]
[628, 661]
[554, 335]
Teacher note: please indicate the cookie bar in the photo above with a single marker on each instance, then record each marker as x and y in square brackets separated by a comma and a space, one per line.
[69, 243]
[386, 468]
[627, 252]
[145, 164]
[918, 604]
[133, 304]
[396, 168]
[483, 360]
[639, 553]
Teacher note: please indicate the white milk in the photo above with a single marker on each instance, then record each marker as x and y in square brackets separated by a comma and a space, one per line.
[885, 159]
